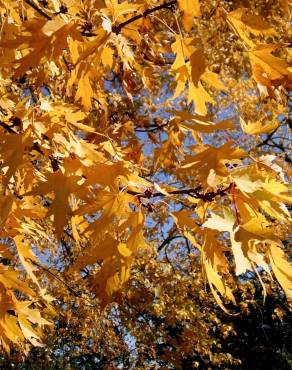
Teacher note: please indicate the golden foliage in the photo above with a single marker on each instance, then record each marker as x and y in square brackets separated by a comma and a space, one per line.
[97, 103]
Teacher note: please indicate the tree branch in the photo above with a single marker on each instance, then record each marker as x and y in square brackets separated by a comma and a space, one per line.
[73, 291]
[167, 258]
[268, 138]
[7, 127]
[206, 197]
[37, 9]
[117, 28]
[168, 240]
[152, 128]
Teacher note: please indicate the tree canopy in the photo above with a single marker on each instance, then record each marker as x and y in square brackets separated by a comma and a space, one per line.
[144, 171]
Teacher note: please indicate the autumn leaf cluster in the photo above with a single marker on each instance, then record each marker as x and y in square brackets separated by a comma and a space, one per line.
[127, 125]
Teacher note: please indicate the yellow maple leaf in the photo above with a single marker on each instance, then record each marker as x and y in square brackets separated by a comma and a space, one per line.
[14, 147]
[120, 10]
[281, 268]
[259, 127]
[212, 159]
[46, 40]
[215, 263]
[227, 223]
[197, 123]
[27, 258]
[269, 70]
[62, 186]
[244, 22]
[191, 10]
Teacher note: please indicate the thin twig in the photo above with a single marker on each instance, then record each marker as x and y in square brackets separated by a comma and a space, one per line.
[164, 23]
[268, 138]
[168, 240]
[194, 193]
[117, 28]
[38, 9]
[168, 260]
[73, 291]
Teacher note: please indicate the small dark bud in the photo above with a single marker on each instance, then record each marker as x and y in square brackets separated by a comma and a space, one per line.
[54, 163]
[63, 9]
[148, 193]
[150, 207]
[16, 121]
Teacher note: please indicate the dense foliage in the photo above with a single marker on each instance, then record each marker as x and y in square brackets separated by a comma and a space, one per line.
[152, 325]
[144, 169]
